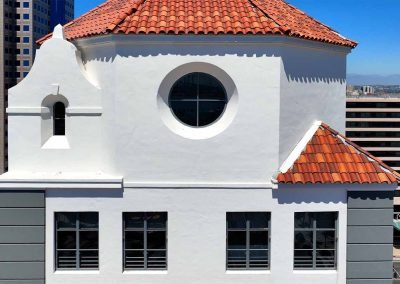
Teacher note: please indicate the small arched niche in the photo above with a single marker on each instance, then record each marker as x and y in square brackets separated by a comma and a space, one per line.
[54, 122]
[59, 119]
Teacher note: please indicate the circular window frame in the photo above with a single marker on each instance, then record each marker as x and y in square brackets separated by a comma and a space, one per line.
[226, 100]
[193, 132]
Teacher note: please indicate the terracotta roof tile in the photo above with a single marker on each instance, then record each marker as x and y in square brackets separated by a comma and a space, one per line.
[201, 17]
[329, 157]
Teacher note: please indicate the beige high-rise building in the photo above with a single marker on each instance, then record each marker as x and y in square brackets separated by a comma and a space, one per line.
[373, 122]
[23, 22]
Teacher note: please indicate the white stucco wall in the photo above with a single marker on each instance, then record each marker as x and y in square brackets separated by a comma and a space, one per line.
[313, 87]
[197, 232]
[277, 87]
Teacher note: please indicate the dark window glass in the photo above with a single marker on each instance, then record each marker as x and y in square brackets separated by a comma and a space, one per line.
[390, 144]
[373, 114]
[394, 164]
[385, 154]
[145, 240]
[198, 99]
[59, 119]
[368, 134]
[77, 240]
[248, 240]
[186, 111]
[315, 240]
[372, 104]
[373, 124]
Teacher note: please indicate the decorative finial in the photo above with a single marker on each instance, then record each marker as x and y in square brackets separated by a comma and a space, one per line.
[58, 32]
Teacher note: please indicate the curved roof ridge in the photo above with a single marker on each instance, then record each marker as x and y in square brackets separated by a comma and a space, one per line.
[257, 4]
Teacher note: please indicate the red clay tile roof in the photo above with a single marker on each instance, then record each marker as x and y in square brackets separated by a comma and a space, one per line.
[329, 157]
[200, 17]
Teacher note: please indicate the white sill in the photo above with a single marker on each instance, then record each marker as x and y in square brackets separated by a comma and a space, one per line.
[77, 272]
[142, 272]
[247, 272]
[322, 272]
[56, 142]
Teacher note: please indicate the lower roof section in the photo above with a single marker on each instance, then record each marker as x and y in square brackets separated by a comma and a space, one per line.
[325, 156]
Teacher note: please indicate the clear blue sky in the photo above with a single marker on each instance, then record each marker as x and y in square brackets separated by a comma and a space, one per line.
[375, 24]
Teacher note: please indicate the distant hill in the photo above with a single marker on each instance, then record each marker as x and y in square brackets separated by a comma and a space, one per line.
[357, 79]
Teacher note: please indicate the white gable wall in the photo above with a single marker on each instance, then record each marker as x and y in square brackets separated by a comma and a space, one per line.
[118, 122]
[56, 75]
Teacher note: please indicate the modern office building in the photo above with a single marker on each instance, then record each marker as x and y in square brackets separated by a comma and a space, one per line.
[373, 122]
[62, 11]
[23, 22]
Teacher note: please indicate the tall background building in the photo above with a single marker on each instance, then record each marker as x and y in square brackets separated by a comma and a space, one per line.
[373, 122]
[22, 22]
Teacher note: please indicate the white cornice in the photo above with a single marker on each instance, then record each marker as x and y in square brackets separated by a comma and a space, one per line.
[27, 110]
[84, 111]
[72, 111]
[130, 184]
[204, 40]
[41, 181]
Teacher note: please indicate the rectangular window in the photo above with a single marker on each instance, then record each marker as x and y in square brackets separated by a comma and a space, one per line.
[248, 240]
[77, 240]
[26, 16]
[145, 241]
[26, 63]
[26, 28]
[26, 4]
[26, 51]
[26, 39]
[315, 240]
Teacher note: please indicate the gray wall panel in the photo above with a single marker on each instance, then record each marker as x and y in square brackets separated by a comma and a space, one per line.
[370, 217]
[21, 235]
[370, 235]
[30, 281]
[21, 216]
[370, 270]
[364, 199]
[366, 281]
[22, 199]
[21, 252]
[364, 252]
[22, 270]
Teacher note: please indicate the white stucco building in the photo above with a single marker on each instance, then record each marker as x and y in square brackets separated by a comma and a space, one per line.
[176, 143]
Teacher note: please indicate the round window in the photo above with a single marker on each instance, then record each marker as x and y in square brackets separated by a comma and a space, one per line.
[197, 99]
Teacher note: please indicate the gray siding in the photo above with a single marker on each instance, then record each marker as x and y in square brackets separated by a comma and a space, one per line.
[22, 237]
[370, 237]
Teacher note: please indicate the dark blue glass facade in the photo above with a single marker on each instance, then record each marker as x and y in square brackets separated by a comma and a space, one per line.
[62, 12]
